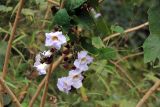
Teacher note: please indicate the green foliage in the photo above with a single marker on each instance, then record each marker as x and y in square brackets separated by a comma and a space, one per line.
[5, 8]
[153, 17]
[151, 48]
[97, 42]
[70, 5]
[104, 84]
[117, 29]
[152, 43]
[62, 18]
[107, 53]
[28, 12]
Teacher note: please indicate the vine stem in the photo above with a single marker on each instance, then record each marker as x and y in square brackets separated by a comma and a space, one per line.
[126, 31]
[6, 62]
[54, 2]
[46, 87]
[54, 66]
[2, 82]
[148, 94]
[46, 15]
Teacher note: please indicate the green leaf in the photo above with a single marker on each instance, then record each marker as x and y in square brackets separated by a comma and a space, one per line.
[73, 4]
[151, 45]
[97, 42]
[153, 17]
[62, 17]
[151, 48]
[107, 53]
[117, 29]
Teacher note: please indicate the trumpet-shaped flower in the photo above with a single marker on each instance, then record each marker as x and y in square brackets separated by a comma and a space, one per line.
[83, 60]
[64, 84]
[55, 39]
[76, 77]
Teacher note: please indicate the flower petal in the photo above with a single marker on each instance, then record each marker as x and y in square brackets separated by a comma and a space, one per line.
[82, 54]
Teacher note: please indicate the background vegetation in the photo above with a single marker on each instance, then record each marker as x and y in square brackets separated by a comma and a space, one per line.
[124, 69]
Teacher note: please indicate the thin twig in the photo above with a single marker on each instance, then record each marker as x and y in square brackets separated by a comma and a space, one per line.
[148, 94]
[129, 56]
[2, 83]
[62, 4]
[46, 15]
[54, 66]
[54, 2]
[6, 62]
[126, 31]
[46, 87]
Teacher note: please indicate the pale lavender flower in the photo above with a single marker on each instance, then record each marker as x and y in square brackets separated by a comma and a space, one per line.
[64, 84]
[55, 39]
[79, 65]
[76, 77]
[41, 67]
[84, 57]
[83, 60]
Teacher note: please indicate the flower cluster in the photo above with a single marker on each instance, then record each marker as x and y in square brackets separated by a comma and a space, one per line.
[75, 77]
[54, 40]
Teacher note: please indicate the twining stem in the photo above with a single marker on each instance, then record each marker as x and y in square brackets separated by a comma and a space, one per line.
[2, 83]
[54, 66]
[6, 62]
[126, 31]
[46, 87]
[148, 94]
